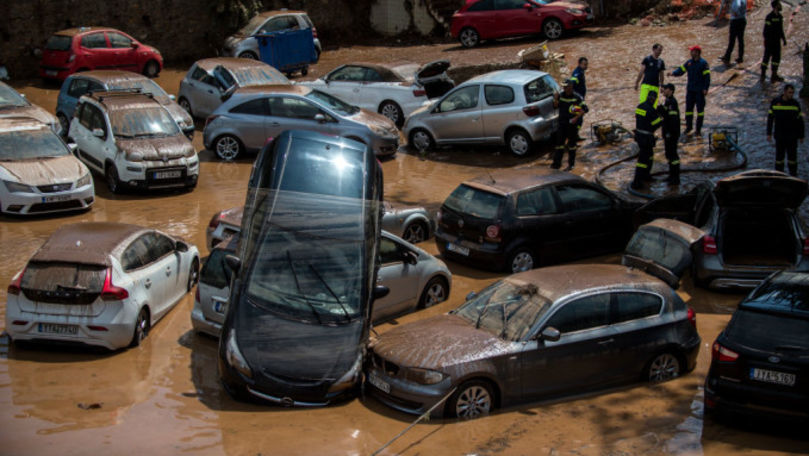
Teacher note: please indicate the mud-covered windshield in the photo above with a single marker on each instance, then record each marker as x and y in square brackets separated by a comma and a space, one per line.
[9, 98]
[250, 76]
[143, 123]
[27, 144]
[333, 103]
[145, 86]
[477, 203]
[507, 309]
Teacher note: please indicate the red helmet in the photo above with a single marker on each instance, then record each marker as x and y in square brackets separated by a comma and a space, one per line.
[695, 47]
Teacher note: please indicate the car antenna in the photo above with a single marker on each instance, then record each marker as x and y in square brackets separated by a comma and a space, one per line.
[490, 177]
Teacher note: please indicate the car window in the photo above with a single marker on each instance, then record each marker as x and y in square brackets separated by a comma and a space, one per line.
[463, 98]
[202, 76]
[256, 107]
[135, 255]
[509, 4]
[371, 75]
[477, 203]
[279, 23]
[497, 94]
[770, 332]
[584, 313]
[213, 271]
[578, 198]
[119, 41]
[307, 20]
[59, 43]
[63, 282]
[293, 108]
[540, 88]
[506, 309]
[94, 41]
[85, 115]
[97, 120]
[631, 306]
[482, 5]
[536, 202]
[159, 246]
[348, 73]
[388, 252]
[78, 87]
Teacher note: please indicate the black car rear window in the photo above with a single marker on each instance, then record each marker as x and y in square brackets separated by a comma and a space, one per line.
[789, 296]
[63, 282]
[475, 202]
[58, 43]
[770, 332]
[213, 271]
[540, 88]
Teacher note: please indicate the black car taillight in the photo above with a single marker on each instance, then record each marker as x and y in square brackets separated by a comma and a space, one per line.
[723, 354]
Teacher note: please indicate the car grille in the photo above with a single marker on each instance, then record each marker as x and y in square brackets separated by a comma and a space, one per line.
[387, 366]
[60, 205]
[54, 187]
[171, 182]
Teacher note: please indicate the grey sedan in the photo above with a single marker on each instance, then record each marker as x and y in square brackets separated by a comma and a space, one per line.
[508, 107]
[253, 114]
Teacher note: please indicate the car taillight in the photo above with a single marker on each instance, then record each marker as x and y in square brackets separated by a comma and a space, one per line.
[493, 232]
[531, 111]
[210, 119]
[806, 247]
[314, 32]
[720, 353]
[419, 93]
[709, 245]
[692, 317]
[110, 292]
[215, 220]
[14, 288]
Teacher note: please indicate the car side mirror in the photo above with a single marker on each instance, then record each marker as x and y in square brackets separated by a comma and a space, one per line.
[181, 246]
[528, 6]
[410, 257]
[472, 295]
[550, 334]
[98, 133]
[233, 262]
[320, 117]
[380, 291]
[172, 97]
[73, 147]
[134, 45]
[23, 95]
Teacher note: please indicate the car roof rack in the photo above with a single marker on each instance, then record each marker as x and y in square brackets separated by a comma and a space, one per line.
[100, 95]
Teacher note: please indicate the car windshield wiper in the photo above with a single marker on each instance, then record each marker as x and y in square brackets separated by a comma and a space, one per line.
[348, 317]
[298, 286]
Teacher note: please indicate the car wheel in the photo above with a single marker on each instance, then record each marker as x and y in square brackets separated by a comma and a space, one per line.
[435, 291]
[183, 102]
[662, 367]
[111, 176]
[471, 400]
[248, 55]
[469, 37]
[392, 111]
[193, 274]
[519, 142]
[63, 122]
[521, 260]
[421, 139]
[141, 327]
[227, 147]
[552, 28]
[151, 69]
[415, 232]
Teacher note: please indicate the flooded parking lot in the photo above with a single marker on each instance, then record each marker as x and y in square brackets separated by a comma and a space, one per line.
[165, 397]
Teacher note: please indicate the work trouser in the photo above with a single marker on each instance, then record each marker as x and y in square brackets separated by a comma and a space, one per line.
[673, 157]
[788, 147]
[694, 97]
[643, 168]
[566, 139]
[771, 50]
[737, 27]
[644, 92]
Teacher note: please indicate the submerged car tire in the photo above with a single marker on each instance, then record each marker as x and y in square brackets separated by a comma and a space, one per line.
[111, 176]
[151, 69]
[436, 291]
[519, 142]
[248, 55]
[416, 232]
[421, 139]
[521, 259]
[392, 111]
[471, 400]
[469, 37]
[664, 366]
[552, 28]
[227, 147]
[186, 105]
[193, 274]
[142, 326]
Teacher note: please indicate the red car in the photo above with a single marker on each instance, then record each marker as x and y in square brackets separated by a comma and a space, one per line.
[96, 48]
[489, 19]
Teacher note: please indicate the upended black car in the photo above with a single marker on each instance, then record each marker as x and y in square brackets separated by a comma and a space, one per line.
[546, 332]
[518, 219]
[760, 362]
[298, 317]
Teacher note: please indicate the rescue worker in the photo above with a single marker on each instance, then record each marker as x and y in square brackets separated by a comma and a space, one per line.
[738, 22]
[647, 120]
[571, 110]
[699, 79]
[785, 113]
[652, 73]
[670, 112]
[580, 85]
[773, 37]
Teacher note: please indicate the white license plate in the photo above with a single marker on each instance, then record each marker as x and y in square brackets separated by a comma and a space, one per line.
[220, 307]
[167, 174]
[457, 249]
[51, 72]
[779, 378]
[51, 328]
[378, 382]
[55, 198]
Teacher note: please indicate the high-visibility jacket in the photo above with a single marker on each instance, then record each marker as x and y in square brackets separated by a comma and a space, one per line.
[647, 119]
[699, 74]
[670, 111]
[579, 82]
[787, 117]
[568, 105]
[774, 29]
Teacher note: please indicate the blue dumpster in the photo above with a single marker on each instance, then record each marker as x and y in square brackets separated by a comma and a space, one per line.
[288, 50]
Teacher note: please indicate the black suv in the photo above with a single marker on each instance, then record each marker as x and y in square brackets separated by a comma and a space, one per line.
[517, 219]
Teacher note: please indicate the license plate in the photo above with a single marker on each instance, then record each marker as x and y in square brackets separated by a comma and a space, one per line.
[51, 328]
[779, 378]
[457, 249]
[51, 72]
[378, 382]
[55, 198]
[220, 307]
[167, 174]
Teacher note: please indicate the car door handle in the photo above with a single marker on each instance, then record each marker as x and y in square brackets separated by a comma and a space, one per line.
[168, 270]
[275, 124]
[210, 91]
[147, 283]
[605, 342]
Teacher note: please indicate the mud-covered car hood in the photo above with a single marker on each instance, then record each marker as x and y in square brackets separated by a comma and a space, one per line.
[373, 119]
[438, 342]
[44, 171]
[154, 149]
[32, 111]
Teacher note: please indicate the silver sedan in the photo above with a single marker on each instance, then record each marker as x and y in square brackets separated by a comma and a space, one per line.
[508, 107]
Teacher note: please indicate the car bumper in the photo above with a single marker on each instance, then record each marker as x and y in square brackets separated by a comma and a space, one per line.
[691, 351]
[136, 176]
[385, 146]
[716, 275]
[43, 203]
[58, 73]
[725, 396]
[541, 128]
[202, 324]
[487, 256]
[406, 396]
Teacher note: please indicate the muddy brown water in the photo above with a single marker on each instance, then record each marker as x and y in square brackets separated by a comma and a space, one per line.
[164, 397]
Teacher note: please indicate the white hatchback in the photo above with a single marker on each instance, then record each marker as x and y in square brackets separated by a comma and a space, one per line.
[99, 283]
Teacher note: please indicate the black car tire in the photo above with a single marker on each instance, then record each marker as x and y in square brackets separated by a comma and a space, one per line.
[111, 176]
[469, 37]
[392, 111]
[248, 55]
[521, 259]
[186, 105]
[662, 367]
[421, 140]
[552, 28]
[416, 232]
[142, 326]
[227, 147]
[193, 274]
[436, 291]
[151, 69]
[519, 142]
[472, 399]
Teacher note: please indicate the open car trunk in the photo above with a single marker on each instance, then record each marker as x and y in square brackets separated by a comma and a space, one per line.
[763, 237]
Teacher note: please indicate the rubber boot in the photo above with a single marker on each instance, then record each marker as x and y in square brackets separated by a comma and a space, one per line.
[674, 175]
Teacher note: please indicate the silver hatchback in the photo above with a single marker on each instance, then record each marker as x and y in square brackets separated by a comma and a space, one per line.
[252, 115]
[508, 107]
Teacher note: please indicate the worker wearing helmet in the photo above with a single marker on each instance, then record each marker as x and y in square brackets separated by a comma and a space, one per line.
[699, 79]
[571, 110]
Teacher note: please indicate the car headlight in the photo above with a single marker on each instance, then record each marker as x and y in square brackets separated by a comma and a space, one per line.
[15, 187]
[423, 376]
[574, 12]
[349, 379]
[85, 180]
[234, 356]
